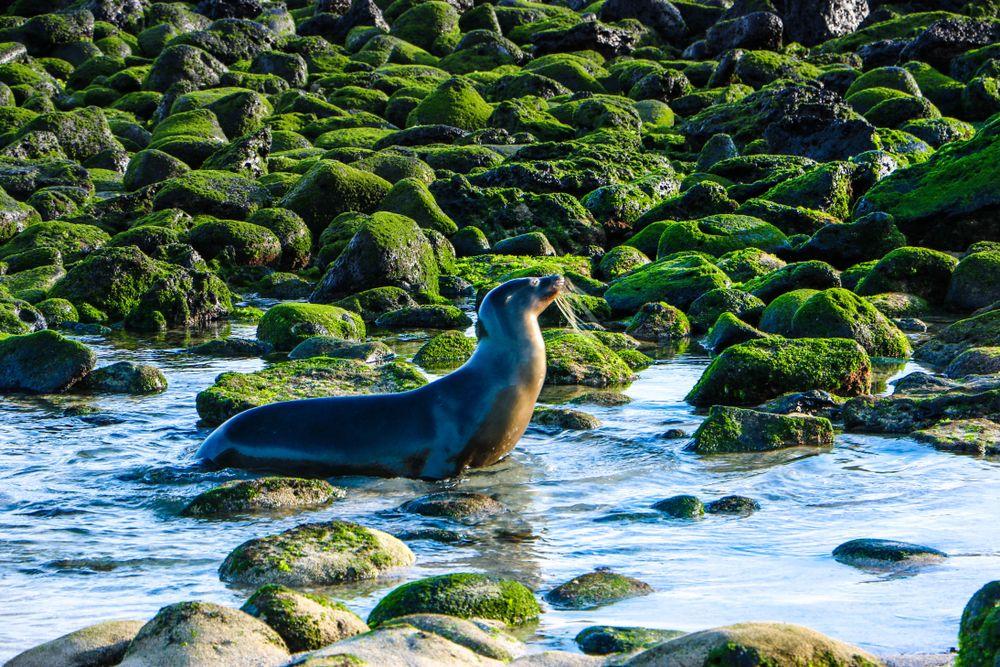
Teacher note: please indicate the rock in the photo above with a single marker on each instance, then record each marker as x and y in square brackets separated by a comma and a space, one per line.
[660, 15]
[410, 197]
[465, 595]
[287, 324]
[465, 506]
[903, 414]
[93, 646]
[595, 589]
[975, 361]
[231, 347]
[318, 377]
[976, 436]
[885, 554]
[869, 237]
[152, 166]
[387, 250]
[677, 281]
[372, 303]
[305, 621]
[425, 317]
[756, 30]
[931, 204]
[839, 313]
[757, 643]
[315, 554]
[605, 398]
[331, 187]
[373, 352]
[565, 419]
[42, 363]
[977, 640]
[813, 402]
[753, 372]
[266, 494]
[183, 63]
[975, 282]
[126, 377]
[211, 634]
[533, 244]
[210, 192]
[681, 507]
[811, 23]
[729, 330]
[975, 331]
[397, 645]
[470, 241]
[607, 639]
[740, 505]
[454, 102]
[660, 323]
[812, 274]
[707, 308]
[445, 350]
[608, 40]
[481, 637]
[620, 261]
[719, 234]
[582, 358]
[943, 40]
[899, 305]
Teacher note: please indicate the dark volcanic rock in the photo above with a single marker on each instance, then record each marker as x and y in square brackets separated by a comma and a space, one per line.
[757, 30]
[810, 22]
[660, 15]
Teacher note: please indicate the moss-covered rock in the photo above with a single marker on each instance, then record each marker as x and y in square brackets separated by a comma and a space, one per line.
[465, 595]
[975, 361]
[565, 419]
[838, 313]
[410, 197]
[99, 644]
[758, 644]
[975, 282]
[812, 274]
[126, 377]
[777, 317]
[287, 324]
[305, 621]
[57, 312]
[978, 645]
[705, 310]
[315, 554]
[659, 322]
[755, 371]
[676, 280]
[244, 243]
[449, 349]
[386, 250]
[42, 363]
[582, 358]
[921, 271]
[421, 317]
[735, 505]
[749, 263]
[681, 507]
[465, 506]
[308, 378]
[480, 636]
[607, 639]
[265, 494]
[208, 192]
[330, 187]
[975, 331]
[595, 589]
[72, 240]
[621, 260]
[372, 352]
[885, 554]
[718, 234]
[372, 303]
[728, 430]
[455, 102]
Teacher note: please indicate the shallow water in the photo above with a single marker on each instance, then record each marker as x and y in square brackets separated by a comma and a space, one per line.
[90, 488]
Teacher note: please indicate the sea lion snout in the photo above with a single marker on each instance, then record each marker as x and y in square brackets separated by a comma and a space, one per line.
[552, 285]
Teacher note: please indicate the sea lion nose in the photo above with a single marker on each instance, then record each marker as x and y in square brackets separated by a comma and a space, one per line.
[555, 282]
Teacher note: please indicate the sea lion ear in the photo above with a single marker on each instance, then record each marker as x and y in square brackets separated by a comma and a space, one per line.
[480, 330]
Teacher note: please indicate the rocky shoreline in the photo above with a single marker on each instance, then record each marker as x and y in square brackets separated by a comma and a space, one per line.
[807, 191]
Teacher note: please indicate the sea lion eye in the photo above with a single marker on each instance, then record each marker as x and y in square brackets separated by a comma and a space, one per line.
[534, 282]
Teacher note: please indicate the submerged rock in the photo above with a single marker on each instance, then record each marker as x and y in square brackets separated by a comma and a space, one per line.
[315, 554]
[565, 418]
[740, 505]
[126, 377]
[100, 644]
[681, 507]
[977, 436]
[608, 639]
[594, 589]
[466, 506]
[42, 363]
[881, 554]
[305, 621]
[465, 595]
[446, 350]
[267, 494]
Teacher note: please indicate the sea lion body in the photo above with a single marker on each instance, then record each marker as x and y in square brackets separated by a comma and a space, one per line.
[469, 418]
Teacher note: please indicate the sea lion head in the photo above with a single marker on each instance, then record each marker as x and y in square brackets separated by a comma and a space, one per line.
[512, 308]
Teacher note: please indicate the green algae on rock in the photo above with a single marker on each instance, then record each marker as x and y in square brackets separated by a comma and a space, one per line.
[126, 377]
[607, 639]
[565, 419]
[266, 494]
[753, 372]
[43, 362]
[287, 324]
[315, 554]
[466, 595]
[729, 429]
[465, 506]
[838, 313]
[978, 645]
[305, 621]
[445, 350]
[684, 506]
[583, 358]
[595, 589]
[879, 554]
[308, 378]
[677, 280]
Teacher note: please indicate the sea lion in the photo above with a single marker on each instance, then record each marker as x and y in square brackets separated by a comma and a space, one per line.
[471, 417]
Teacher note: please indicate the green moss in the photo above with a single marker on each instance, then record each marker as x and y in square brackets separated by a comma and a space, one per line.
[245, 243]
[455, 102]
[677, 280]
[351, 137]
[975, 283]
[305, 621]
[43, 362]
[594, 589]
[432, 26]
[218, 193]
[979, 632]
[906, 26]
[446, 350]
[919, 271]
[263, 494]
[866, 99]
[620, 261]
[728, 430]
[778, 315]
[605, 640]
[484, 271]
[287, 324]
[719, 234]
[372, 303]
[57, 311]
[895, 111]
[582, 358]
[896, 78]
[758, 370]
[825, 188]
[706, 309]
[410, 197]
[293, 235]
[812, 274]
[659, 322]
[839, 313]
[329, 188]
[72, 240]
[465, 595]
